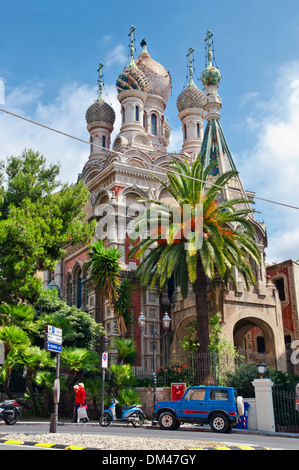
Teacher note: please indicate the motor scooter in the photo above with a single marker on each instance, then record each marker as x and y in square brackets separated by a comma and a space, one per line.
[10, 411]
[129, 414]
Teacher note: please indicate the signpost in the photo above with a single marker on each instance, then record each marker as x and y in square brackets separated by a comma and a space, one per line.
[53, 343]
[104, 367]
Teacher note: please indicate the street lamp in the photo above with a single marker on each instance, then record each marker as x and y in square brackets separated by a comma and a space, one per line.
[166, 324]
[261, 367]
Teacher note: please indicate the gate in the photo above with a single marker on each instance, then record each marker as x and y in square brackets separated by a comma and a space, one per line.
[285, 412]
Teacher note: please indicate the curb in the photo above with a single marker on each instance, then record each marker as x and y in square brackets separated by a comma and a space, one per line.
[68, 447]
[44, 444]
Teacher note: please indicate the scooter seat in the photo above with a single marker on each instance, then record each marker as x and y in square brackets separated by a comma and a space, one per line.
[128, 407]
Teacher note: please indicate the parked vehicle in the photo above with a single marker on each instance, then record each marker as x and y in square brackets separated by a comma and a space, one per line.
[130, 414]
[220, 407]
[10, 411]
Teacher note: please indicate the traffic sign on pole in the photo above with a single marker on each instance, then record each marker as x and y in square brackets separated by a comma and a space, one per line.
[104, 360]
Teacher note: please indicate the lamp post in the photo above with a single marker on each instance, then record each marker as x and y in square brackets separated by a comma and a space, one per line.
[261, 367]
[166, 323]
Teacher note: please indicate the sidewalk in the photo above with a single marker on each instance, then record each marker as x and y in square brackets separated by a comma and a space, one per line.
[148, 425]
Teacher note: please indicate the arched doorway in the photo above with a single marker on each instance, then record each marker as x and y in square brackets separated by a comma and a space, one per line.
[254, 339]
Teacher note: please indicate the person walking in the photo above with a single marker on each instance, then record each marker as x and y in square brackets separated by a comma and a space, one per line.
[76, 404]
[81, 400]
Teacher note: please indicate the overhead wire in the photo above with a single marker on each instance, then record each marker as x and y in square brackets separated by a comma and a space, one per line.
[142, 151]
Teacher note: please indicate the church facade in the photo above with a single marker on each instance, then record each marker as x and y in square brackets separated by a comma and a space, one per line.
[121, 172]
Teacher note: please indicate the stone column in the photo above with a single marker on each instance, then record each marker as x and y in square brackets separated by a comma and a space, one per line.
[264, 404]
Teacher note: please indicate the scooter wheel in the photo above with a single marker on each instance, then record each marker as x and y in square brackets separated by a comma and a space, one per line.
[12, 421]
[105, 420]
[140, 421]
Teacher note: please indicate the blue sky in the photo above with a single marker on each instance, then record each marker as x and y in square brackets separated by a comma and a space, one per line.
[49, 53]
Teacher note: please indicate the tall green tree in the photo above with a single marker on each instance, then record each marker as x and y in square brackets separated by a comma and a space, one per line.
[215, 236]
[38, 217]
[104, 269]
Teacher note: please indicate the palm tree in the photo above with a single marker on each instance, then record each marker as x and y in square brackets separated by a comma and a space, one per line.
[214, 238]
[126, 350]
[35, 359]
[16, 342]
[105, 272]
[78, 360]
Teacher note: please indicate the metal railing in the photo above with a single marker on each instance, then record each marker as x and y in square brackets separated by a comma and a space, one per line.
[285, 413]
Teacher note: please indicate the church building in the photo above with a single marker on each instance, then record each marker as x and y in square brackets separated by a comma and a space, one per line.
[118, 173]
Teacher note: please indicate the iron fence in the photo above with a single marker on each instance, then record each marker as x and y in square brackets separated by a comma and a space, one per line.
[285, 413]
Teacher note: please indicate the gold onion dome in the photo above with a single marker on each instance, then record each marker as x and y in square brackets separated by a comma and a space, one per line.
[159, 80]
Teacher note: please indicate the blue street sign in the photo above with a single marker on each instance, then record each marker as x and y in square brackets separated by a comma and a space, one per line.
[54, 347]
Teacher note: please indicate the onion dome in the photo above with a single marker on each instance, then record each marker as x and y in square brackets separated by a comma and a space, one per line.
[132, 78]
[100, 110]
[159, 80]
[167, 129]
[210, 75]
[191, 96]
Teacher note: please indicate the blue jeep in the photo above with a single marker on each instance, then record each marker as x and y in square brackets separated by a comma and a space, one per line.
[220, 407]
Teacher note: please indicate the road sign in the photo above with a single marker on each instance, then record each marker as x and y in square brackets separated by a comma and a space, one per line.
[53, 347]
[53, 330]
[104, 360]
[53, 338]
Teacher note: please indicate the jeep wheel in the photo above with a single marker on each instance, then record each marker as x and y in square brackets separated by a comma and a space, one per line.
[219, 423]
[167, 420]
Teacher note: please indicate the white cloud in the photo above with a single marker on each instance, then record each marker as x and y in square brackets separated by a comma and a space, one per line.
[175, 140]
[66, 114]
[271, 166]
[117, 56]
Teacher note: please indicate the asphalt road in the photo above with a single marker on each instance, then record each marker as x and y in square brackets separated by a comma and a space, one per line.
[271, 440]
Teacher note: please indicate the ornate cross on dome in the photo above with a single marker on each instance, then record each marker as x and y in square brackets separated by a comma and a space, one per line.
[132, 62]
[190, 51]
[208, 41]
[100, 81]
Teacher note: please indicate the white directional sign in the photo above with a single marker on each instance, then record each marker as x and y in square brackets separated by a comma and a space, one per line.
[54, 330]
[53, 339]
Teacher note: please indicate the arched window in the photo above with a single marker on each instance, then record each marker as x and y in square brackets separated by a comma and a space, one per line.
[154, 124]
[69, 290]
[124, 114]
[79, 289]
[136, 113]
[197, 130]
[281, 288]
[104, 141]
[185, 132]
